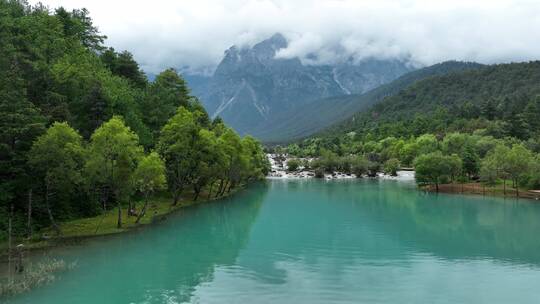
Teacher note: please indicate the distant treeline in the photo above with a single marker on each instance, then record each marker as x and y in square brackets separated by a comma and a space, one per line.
[82, 130]
[458, 157]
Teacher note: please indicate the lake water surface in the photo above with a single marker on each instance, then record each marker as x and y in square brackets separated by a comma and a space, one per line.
[313, 241]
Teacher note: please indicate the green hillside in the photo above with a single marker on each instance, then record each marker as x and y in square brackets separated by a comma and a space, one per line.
[500, 100]
[323, 113]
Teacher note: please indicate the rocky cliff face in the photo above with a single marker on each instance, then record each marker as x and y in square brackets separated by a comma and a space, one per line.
[251, 87]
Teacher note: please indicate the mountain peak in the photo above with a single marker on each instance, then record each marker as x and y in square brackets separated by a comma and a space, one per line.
[268, 48]
[278, 40]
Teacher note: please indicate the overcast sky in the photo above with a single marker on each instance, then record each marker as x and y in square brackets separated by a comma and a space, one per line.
[195, 33]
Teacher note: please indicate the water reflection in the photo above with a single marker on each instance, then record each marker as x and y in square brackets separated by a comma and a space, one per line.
[162, 264]
[318, 242]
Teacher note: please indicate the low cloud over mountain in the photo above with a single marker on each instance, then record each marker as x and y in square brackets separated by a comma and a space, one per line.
[164, 33]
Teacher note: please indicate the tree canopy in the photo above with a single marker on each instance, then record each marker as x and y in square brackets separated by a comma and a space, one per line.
[80, 122]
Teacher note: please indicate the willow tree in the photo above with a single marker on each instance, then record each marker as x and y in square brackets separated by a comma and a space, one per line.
[210, 161]
[114, 152]
[57, 158]
[236, 160]
[149, 177]
[177, 147]
[436, 168]
[258, 163]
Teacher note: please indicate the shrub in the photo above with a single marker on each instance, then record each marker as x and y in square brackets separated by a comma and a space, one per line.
[391, 167]
[359, 166]
[372, 168]
[293, 164]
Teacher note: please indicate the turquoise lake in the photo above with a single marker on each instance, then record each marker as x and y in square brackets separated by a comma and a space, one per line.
[315, 241]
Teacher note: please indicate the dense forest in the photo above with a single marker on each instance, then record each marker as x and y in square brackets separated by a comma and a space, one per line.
[318, 115]
[477, 124]
[83, 131]
[500, 99]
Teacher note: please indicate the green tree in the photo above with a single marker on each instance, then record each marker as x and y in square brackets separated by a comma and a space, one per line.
[518, 161]
[427, 143]
[471, 161]
[455, 143]
[436, 168]
[123, 64]
[360, 166]
[408, 153]
[162, 99]
[211, 162]
[391, 166]
[495, 166]
[236, 159]
[177, 145]
[113, 155]
[258, 163]
[20, 123]
[293, 164]
[149, 177]
[57, 157]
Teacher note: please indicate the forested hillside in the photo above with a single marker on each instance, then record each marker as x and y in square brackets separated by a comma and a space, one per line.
[323, 113]
[499, 99]
[83, 131]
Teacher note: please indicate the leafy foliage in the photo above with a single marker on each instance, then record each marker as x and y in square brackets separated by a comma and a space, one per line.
[79, 121]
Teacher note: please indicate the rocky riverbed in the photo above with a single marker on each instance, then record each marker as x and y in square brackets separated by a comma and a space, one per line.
[279, 170]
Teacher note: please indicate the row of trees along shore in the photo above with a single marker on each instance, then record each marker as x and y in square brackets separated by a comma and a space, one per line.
[453, 158]
[84, 131]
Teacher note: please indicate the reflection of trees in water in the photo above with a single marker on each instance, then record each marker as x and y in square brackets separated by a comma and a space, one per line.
[344, 221]
[163, 262]
[459, 227]
[334, 224]
[208, 236]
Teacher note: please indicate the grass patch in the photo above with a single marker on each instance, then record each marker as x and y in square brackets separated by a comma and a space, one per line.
[106, 223]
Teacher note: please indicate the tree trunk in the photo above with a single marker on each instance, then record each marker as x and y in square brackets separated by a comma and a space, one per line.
[103, 197]
[29, 220]
[131, 208]
[176, 195]
[143, 211]
[119, 225]
[49, 211]
[517, 189]
[10, 278]
[231, 185]
[197, 192]
[210, 191]
[225, 187]
[504, 187]
[220, 188]
[436, 186]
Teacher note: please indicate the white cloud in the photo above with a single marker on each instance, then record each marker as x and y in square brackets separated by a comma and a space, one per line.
[195, 33]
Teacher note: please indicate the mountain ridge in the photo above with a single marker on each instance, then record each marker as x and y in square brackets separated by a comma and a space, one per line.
[252, 89]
